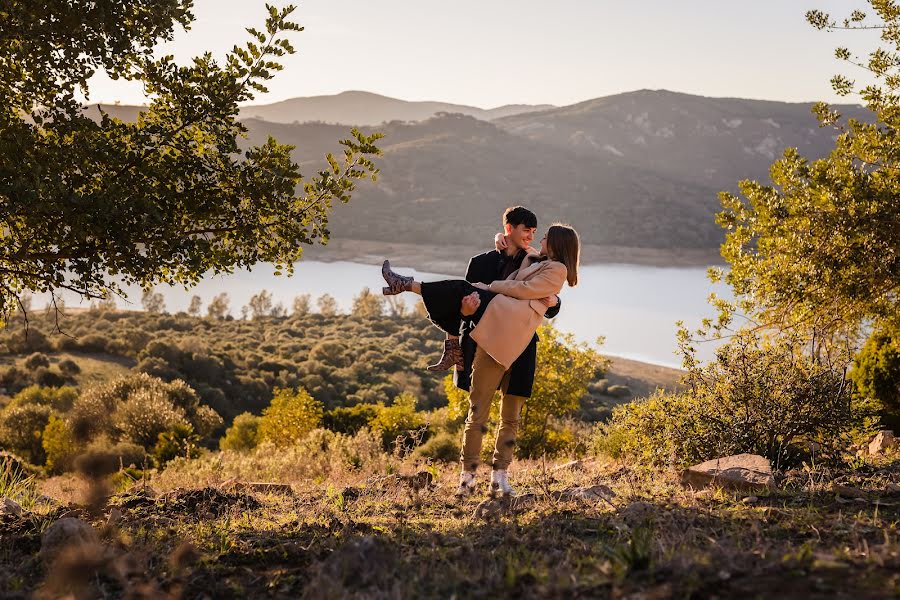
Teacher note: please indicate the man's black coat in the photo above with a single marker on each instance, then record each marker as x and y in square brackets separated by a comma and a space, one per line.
[486, 268]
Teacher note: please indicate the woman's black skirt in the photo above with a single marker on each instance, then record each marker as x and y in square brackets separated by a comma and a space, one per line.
[443, 299]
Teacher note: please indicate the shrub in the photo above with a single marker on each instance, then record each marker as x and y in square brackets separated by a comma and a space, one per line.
[876, 371]
[47, 378]
[121, 454]
[180, 441]
[93, 343]
[60, 399]
[21, 428]
[38, 359]
[350, 419]
[145, 414]
[757, 398]
[15, 380]
[399, 425]
[443, 447]
[243, 434]
[618, 391]
[68, 367]
[59, 445]
[25, 342]
[289, 417]
[367, 305]
[140, 407]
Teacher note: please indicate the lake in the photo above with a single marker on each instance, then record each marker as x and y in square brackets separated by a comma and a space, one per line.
[634, 307]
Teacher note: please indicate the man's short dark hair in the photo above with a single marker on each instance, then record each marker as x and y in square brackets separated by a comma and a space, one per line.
[519, 215]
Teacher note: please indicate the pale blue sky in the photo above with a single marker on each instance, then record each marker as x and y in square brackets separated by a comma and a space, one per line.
[492, 52]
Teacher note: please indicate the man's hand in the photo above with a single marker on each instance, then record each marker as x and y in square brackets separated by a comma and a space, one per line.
[549, 301]
[500, 242]
[470, 304]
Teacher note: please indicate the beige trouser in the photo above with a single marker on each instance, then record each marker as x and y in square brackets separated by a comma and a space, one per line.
[487, 375]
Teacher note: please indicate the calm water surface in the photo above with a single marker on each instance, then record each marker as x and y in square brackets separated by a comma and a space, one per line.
[634, 307]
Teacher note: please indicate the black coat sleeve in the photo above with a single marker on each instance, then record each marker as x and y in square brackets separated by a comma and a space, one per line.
[483, 268]
[553, 310]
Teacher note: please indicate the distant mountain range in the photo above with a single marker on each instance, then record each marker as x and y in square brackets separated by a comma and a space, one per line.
[637, 173]
[365, 108]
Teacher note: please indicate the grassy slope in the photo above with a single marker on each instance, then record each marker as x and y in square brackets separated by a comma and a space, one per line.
[356, 536]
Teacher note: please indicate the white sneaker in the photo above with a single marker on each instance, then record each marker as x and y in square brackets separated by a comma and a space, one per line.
[466, 484]
[500, 483]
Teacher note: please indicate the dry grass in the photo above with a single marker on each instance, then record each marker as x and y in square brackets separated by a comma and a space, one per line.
[367, 534]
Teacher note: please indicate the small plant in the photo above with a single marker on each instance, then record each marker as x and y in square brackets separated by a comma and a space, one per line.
[17, 485]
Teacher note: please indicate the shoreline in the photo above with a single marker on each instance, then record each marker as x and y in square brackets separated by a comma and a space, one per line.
[453, 260]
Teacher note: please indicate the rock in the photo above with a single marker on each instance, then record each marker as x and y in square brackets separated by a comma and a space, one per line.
[575, 464]
[741, 471]
[492, 508]
[883, 440]
[750, 500]
[523, 502]
[591, 494]
[10, 507]
[44, 500]
[115, 515]
[637, 512]
[847, 491]
[65, 533]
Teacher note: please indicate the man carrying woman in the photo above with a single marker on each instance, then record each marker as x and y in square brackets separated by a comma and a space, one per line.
[505, 313]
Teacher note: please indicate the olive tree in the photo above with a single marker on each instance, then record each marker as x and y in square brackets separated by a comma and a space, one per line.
[91, 205]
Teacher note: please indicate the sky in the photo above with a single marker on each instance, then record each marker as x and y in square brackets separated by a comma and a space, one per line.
[488, 53]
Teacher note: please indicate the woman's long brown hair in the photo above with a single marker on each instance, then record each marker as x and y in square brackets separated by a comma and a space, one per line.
[564, 246]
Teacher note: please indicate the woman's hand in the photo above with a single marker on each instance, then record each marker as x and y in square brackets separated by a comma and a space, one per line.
[480, 286]
[549, 301]
[500, 242]
[470, 304]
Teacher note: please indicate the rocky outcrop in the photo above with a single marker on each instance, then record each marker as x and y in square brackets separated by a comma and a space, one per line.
[741, 472]
[883, 441]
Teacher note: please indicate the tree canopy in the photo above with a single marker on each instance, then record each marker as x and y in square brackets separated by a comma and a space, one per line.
[818, 250]
[91, 205]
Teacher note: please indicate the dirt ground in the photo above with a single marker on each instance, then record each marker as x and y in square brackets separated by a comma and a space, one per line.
[633, 534]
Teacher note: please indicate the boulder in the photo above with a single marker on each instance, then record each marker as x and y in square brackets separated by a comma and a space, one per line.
[493, 508]
[66, 533]
[590, 494]
[8, 506]
[637, 512]
[741, 471]
[883, 440]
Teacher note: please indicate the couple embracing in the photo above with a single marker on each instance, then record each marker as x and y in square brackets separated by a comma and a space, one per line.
[490, 319]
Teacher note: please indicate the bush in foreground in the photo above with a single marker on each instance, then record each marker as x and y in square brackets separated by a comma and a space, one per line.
[756, 397]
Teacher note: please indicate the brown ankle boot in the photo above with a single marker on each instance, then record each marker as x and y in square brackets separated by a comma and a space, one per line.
[396, 283]
[451, 357]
